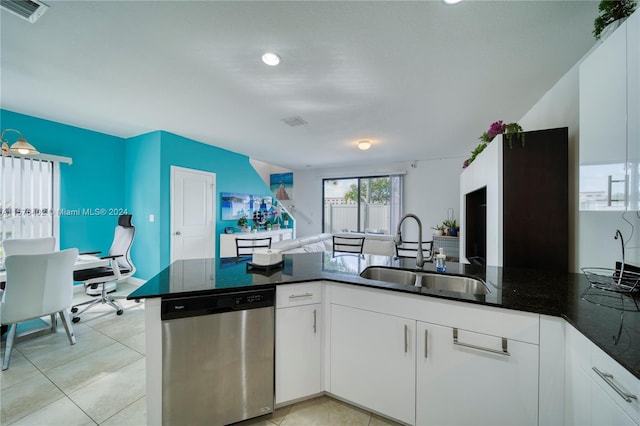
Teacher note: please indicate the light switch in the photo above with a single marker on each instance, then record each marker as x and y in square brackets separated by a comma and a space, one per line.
[152, 218]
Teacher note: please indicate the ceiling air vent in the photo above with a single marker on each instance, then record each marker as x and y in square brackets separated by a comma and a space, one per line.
[29, 10]
[294, 121]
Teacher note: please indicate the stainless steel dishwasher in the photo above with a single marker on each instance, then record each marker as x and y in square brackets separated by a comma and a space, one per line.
[218, 357]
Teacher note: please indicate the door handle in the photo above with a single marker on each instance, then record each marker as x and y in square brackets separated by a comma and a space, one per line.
[406, 338]
[178, 233]
[607, 377]
[426, 342]
[315, 321]
[504, 350]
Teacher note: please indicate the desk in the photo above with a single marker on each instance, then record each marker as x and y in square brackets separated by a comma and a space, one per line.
[84, 261]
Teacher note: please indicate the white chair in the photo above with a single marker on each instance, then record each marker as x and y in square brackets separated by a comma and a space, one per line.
[29, 246]
[103, 280]
[37, 285]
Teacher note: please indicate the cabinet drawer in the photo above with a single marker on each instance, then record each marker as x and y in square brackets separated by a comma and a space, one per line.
[616, 377]
[298, 294]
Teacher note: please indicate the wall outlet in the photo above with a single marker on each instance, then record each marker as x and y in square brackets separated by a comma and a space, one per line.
[152, 218]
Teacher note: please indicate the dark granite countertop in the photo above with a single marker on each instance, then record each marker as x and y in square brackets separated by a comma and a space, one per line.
[611, 320]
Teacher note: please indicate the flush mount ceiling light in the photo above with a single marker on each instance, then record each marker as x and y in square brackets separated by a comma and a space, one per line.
[19, 147]
[451, 1]
[364, 144]
[271, 59]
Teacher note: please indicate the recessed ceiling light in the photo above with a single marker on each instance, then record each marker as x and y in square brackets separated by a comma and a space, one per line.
[364, 144]
[271, 59]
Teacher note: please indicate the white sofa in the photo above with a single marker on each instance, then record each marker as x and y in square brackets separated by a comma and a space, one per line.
[373, 244]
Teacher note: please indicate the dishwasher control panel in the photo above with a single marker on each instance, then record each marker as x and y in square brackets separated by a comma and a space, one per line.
[183, 307]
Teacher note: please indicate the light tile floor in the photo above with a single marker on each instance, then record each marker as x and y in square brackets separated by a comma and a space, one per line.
[101, 379]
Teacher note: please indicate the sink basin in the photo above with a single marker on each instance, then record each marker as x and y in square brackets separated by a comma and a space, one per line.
[453, 283]
[432, 281]
[397, 276]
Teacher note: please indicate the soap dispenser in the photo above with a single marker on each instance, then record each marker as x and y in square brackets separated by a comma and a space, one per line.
[441, 261]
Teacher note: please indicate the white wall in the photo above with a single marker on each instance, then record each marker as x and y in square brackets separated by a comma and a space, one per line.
[431, 188]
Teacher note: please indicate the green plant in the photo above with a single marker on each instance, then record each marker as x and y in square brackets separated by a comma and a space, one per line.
[243, 221]
[450, 224]
[611, 11]
[438, 228]
[496, 128]
[285, 216]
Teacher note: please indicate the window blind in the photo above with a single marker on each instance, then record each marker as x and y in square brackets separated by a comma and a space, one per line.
[26, 197]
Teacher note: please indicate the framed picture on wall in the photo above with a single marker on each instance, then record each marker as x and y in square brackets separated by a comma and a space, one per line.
[281, 185]
[235, 206]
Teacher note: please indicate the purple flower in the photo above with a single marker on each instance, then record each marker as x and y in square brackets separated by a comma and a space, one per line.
[496, 128]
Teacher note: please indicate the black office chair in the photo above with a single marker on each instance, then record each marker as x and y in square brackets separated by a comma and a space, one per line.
[104, 280]
[352, 245]
[410, 249]
[246, 246]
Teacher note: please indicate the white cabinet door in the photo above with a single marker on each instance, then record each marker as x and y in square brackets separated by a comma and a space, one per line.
[458, 385]
[604, 411]
[298, 352]
[633, 109]
[610, 122]
[373, 361]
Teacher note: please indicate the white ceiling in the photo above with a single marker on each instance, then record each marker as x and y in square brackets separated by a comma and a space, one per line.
[421, 79]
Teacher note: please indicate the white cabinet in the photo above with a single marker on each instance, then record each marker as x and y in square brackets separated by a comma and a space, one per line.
[228, 241]
[373, 361]
[593, 398]
[474, 378]
[610, 120]
[378, 358]
[299, 333]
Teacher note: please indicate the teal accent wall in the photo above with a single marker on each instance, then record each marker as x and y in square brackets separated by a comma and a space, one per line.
[131, 174]
[234, 173]
[142, 176]
[94, 181]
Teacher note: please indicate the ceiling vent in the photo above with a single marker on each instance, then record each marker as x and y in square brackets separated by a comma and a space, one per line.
[29, 10]
[294, 121]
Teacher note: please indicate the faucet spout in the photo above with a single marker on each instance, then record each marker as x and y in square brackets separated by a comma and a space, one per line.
[398, 239]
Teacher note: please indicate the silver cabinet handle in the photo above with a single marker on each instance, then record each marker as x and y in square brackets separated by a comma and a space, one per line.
[504, 350]
[297, 296]
[426, 342]
[315, 321]
[609, 379]
[406, 338]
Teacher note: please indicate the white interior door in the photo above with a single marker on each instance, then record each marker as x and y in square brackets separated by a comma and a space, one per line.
[193, 207]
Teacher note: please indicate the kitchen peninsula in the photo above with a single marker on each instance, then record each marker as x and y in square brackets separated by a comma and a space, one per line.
[533, 312]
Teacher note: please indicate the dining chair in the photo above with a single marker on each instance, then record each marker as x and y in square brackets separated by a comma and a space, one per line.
[37, 285]
[352, 245]
[29, 245]
[246, 246]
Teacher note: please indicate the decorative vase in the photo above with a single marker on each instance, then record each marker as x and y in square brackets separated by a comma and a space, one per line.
[438, 232]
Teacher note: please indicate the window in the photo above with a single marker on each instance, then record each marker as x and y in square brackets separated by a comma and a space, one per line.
[362, 204]
[26, 198]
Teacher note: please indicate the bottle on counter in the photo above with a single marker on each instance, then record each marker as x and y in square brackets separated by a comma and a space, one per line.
[441, 261]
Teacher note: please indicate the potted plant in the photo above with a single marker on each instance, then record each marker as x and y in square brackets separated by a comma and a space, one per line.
[451, 226]
[285, 219]
[610, 12]
[267, 224]
[439, 230]
[243, 223]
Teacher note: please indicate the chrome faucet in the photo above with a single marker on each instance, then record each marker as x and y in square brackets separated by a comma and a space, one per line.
[398, 239]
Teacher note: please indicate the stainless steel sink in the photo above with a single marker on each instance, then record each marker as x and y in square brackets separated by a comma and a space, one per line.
[397, 276]
[453, 283]
[430, 280]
